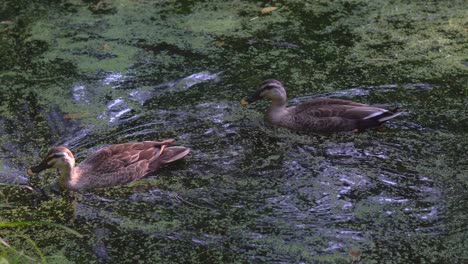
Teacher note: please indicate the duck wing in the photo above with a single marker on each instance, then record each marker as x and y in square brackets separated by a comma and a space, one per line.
[329, 107]
[131, 160]
[325, 107]
[336, 115]
[329, 101]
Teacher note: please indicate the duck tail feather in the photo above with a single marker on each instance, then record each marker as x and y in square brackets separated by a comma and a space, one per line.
[388, 117]
[174, 153]
[378, 120]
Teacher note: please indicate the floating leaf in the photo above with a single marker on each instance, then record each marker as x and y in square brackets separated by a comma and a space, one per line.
[73, 115]
[268, 9]
[355, 255]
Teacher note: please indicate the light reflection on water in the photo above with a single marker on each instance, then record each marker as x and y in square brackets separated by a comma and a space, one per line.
[362, 91]
[118, 107]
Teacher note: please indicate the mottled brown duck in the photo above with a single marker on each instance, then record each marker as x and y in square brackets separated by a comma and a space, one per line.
[110, 166]
[323, 115]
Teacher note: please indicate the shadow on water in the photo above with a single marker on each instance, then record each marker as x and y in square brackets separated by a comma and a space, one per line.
[249, 192]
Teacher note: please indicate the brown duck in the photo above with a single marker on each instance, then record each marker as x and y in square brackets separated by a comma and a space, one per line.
[319, 114]
[110, 166]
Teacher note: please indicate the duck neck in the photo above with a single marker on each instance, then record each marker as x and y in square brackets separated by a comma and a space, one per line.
[276, 110]
[67, 176]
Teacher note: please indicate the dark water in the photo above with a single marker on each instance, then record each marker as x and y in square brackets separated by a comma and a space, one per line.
[86, 74]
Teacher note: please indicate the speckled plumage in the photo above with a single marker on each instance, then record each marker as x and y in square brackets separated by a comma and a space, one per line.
[112, 165]
[319, 114]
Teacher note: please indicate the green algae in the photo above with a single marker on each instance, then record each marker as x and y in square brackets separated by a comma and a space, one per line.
[312, 46]
[29, 230]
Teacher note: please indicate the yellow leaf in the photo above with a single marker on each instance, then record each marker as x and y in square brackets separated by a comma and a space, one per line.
[355, 255]
[73, 115]
[268, 9]
[219, 43]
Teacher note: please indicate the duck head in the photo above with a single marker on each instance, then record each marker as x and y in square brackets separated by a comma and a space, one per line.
[57, 157]
[270, 89]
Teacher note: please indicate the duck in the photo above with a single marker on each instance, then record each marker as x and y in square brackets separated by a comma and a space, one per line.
[111, 165]
[321, 115]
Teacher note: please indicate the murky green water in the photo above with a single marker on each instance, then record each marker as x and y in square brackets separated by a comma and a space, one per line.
[90, 73]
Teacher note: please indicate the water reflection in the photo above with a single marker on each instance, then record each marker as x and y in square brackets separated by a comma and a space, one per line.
[142, 96]
[80, 94]
[362, 91]
[112, 78]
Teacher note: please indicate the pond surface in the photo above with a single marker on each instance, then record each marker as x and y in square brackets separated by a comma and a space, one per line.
[86, 74]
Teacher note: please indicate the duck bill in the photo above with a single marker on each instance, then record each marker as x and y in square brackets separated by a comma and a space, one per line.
[36, 169]
[255, 97]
